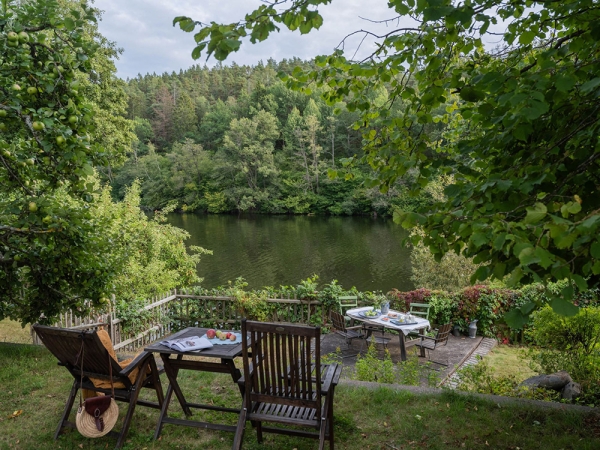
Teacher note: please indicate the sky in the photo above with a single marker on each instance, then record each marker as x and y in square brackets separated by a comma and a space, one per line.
[144, 30]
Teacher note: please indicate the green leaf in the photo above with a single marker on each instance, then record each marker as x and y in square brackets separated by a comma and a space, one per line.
[527, 308]
[535, 213]
[527, 37]
[528, 256]
[586, 87]
[564, 84]
[478, 239]
[563, 307]
[595, 250]
[69, 24]
[515, 319]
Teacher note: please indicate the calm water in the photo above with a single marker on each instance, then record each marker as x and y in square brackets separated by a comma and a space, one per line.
[283, 250]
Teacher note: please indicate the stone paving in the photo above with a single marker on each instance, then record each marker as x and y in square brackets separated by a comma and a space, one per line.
[458, 352]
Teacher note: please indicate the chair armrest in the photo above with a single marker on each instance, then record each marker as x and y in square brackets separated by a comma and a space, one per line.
[137, 361]
[423, 337]
[332, 378]
[357, 327]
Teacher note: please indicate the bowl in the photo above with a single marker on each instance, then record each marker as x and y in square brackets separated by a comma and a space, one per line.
[392, 315]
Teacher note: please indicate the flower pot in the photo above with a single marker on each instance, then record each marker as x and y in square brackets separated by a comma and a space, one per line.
[385, 307]
[456, 331]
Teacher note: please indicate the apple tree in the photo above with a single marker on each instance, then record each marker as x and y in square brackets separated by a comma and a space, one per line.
[521, 137]
[51, 251]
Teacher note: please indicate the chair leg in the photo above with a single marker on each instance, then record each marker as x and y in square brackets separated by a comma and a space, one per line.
[156, 383]
[133, 398]
[330, 418]
[259, 436]
[68, 406]
[241, 426]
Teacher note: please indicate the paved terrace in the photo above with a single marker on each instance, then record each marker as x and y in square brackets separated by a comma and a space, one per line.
[458, 352]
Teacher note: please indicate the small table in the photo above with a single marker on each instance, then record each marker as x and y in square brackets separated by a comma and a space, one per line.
[421, 325]
[174, 361]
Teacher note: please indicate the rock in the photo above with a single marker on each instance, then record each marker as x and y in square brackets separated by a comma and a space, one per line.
[555, 381]
[571, 391]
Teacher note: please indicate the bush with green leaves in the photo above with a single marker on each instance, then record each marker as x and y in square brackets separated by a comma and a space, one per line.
[568, 343]
[480, 378]
[371, 368]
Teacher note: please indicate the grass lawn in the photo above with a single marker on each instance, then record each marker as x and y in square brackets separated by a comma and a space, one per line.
[11, 331]
[506, 360]
[35, 389]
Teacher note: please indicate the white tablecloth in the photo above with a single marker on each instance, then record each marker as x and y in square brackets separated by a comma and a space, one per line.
[421, 323]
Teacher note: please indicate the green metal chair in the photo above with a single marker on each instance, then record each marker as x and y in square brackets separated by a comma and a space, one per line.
[348, 302]
[420, 309]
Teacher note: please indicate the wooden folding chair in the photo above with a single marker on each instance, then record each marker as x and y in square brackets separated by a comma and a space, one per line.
[348, 333]
[66, 345]
[283, 384]
[431, 343]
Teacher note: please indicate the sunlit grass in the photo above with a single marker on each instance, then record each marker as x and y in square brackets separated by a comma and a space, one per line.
[507, 360]
[11, 331]
[364, 418]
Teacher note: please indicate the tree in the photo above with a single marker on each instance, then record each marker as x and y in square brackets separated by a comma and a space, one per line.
[522, 136]
[50, 253]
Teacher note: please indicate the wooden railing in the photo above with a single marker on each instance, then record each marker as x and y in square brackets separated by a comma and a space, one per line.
[176, 310]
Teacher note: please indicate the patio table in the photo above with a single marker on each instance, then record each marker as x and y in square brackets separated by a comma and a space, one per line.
[420, 325]
[174, 361]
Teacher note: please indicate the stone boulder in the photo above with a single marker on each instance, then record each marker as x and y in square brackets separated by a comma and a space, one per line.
[555, 381]
[571, 391]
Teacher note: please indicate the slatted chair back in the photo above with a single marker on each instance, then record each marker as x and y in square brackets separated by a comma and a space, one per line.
[279, 367]
[66, 345]
[337, 321]
[442, 335]
[420, 309]
[347, 302]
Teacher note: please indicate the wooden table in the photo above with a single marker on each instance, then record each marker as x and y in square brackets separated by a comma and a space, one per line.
[421, 325]
[174, 361]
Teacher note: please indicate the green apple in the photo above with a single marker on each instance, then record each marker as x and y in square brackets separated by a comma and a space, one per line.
[30, 161]
[73, 120]
[12, 36]
[6, 153]
[3, 126]
[13, 43]
[32, 207]
[16, 87]
[38, 126]
[23, 36]
[32, 90]
[3, 113]
[60, 140]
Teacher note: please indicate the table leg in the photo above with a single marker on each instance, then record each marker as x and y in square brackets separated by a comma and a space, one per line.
[402, 346]
[172, 376]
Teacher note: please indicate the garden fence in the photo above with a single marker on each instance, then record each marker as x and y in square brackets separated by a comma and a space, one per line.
[175, 310]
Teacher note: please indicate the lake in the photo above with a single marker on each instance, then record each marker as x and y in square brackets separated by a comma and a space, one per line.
[283, 250]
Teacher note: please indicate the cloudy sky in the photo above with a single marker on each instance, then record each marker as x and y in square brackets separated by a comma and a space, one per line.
[150, 43]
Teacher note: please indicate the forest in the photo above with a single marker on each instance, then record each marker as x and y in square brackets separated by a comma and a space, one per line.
[233, 138]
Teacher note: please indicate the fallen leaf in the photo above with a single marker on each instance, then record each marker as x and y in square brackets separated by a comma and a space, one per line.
[363, 435]
[385, 424]
[50, 396]
[17, 413]
[447, 405]
[487, 443]
[80, 445]
[475, 408]
[17, 441]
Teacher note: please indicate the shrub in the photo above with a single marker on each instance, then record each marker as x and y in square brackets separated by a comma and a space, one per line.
[371, 368]
[443, 307]
[479, 378]
[568, 343]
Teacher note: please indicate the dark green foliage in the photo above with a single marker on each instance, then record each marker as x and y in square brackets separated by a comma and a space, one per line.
[571, 344]
[205, 156]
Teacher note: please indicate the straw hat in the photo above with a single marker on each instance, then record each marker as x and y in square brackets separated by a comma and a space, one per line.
[86, 424]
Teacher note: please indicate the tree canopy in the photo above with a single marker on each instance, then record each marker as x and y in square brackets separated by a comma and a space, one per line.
[62, 244]
[517, 126]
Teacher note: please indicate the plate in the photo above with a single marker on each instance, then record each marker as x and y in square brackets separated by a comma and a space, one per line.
[364, 314]
[398, 323]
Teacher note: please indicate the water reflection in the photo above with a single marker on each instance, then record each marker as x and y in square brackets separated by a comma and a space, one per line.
[282, 250]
